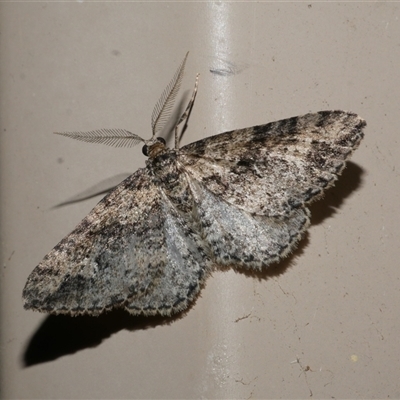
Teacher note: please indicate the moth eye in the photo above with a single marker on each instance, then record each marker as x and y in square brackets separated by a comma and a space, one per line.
[162, 140]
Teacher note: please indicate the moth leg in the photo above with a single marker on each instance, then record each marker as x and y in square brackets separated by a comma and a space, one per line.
[185, 116]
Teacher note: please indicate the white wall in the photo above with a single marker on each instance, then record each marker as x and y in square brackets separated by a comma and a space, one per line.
[325, 321]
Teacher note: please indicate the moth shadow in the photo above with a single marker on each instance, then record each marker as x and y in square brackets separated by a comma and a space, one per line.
[60, 335]
[103, 187]
[348, 182]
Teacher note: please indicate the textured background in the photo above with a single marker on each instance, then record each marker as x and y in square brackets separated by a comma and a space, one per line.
[324, 322]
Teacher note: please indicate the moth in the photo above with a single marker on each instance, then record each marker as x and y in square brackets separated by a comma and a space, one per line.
[235, 199]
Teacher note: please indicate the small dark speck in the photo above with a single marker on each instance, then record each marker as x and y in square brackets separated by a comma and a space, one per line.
[9, 258]
[226, 68]
[310, 5]
[60, 160]
[116, 52]
[220, 72]
[5, 130]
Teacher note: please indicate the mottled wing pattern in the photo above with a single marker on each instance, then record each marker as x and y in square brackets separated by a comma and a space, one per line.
[237, 238]
[250, 186]
[275, 168]
[131, 251]
[186, 266]
[238, 198]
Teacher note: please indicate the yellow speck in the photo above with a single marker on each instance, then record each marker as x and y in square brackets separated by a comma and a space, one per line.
[354, 358]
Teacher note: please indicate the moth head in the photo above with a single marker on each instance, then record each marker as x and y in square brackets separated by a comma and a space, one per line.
[153, 147]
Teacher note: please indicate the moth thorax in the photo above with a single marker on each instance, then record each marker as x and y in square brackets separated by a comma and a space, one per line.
[165, 168]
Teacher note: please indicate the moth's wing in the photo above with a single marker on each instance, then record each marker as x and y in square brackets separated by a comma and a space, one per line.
[187, 266]
[275, 168]
[120, 255]
[237, 238]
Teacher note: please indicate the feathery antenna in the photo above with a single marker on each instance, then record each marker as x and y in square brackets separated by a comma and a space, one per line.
[163, 109]
[123, 138]
[111, 137]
